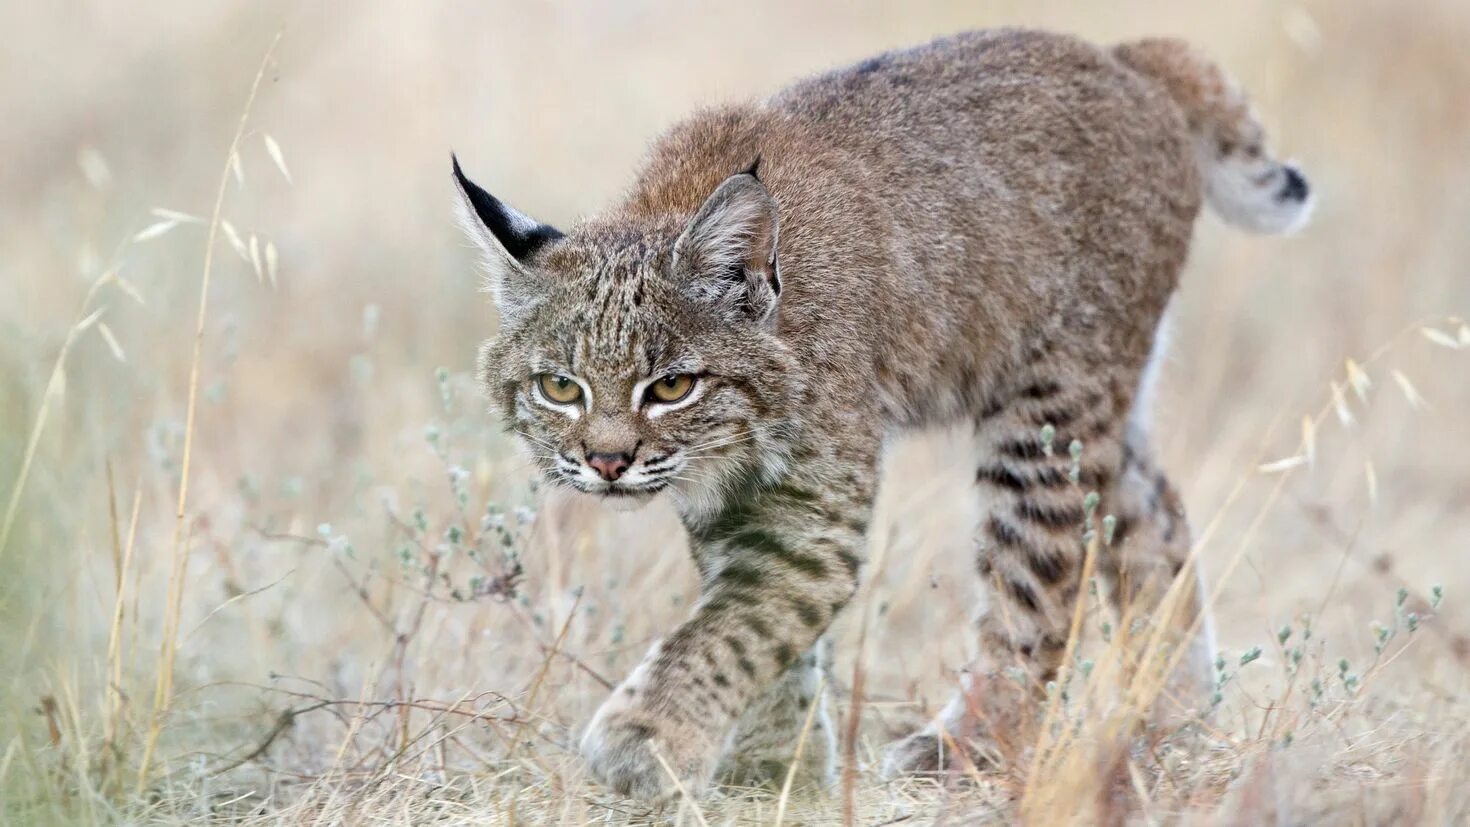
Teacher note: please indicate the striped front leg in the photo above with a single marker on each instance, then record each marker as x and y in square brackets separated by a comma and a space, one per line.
[777, 566]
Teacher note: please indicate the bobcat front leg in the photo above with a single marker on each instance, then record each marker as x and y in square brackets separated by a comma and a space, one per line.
[793, 711]
[777, 564]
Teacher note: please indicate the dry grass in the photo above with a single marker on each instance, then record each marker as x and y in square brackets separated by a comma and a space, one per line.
[294, 575]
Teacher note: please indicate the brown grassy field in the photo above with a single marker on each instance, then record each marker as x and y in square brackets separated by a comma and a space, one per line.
[266, 559]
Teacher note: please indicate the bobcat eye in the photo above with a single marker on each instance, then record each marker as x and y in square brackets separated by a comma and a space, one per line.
[559, 389]
[671, 388]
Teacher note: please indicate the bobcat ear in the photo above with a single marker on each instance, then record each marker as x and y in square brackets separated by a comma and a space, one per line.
[727, 254]
[507, 238]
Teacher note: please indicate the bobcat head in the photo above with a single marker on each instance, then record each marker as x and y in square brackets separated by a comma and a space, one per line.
[637, 355]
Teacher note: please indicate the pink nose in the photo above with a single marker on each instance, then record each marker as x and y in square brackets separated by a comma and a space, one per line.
[609, 466]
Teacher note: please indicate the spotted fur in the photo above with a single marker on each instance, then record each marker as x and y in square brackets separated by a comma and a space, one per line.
[985, 229]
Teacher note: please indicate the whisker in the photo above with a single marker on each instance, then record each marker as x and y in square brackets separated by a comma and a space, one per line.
[707, 450]
[738, 436]
[538, 441]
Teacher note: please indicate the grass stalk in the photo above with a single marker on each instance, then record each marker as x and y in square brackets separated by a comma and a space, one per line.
[168, 649]
[85, 319]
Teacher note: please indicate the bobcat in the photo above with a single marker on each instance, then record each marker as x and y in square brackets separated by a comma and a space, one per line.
[987, 230]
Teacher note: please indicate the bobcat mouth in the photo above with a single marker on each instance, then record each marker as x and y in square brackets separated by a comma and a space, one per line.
[619, 491]
[616, 491]
[628, 498]
[646, 489]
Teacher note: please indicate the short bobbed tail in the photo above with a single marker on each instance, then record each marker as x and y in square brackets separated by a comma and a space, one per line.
[1244, 184]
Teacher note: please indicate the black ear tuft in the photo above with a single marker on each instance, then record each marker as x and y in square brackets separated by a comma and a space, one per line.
[518, 234]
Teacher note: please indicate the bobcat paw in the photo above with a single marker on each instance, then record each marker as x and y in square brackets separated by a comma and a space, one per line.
[620, 746]
[929, 752]
[754, 769]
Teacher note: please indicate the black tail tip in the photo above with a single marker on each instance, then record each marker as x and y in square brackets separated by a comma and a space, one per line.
[1295, 188]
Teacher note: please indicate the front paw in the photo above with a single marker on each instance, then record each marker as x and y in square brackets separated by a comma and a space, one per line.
[622, 748]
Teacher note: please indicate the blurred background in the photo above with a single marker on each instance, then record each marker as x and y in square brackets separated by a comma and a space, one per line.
[356, 526]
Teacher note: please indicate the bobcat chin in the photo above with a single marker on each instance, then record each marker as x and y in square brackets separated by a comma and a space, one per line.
[986, 230]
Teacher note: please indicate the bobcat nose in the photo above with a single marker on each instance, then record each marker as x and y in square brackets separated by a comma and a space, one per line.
[610, 466]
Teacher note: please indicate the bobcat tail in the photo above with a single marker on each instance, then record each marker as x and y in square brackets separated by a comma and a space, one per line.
[1244, 184]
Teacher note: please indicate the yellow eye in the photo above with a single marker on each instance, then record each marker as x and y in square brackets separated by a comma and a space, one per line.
[559, 389]
[671, 388]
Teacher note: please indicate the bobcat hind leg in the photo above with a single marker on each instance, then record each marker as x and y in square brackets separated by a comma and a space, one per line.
[1035, 496]
[1150, 549]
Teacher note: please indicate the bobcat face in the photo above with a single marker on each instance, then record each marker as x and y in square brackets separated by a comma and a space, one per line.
[633, 364]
